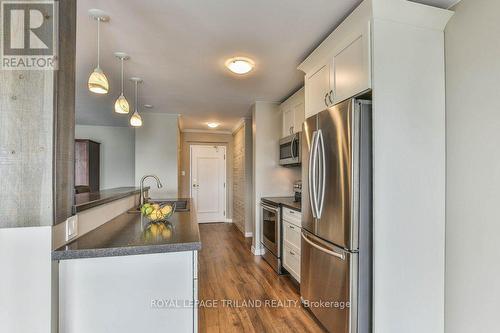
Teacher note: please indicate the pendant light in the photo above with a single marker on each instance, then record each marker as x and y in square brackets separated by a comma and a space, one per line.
[121, 104]
[98, 83]
[136, 119]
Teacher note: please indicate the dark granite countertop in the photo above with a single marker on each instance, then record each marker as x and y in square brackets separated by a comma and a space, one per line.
[285, 201]
[84, 201]
[126, 235]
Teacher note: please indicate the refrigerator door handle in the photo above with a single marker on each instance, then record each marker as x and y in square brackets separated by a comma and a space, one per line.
[322, 173]
[312, 175]
[321, 248]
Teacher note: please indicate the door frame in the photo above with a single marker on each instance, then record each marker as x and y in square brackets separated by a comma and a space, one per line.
[225, 219]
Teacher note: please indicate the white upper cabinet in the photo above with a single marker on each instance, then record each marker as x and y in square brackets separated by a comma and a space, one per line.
[288, 121]
[340, 67]
[292, 111]
[317, 88]
[350, 68]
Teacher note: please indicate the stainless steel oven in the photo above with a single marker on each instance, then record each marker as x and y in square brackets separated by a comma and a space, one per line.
[271, 234]
[290, 150]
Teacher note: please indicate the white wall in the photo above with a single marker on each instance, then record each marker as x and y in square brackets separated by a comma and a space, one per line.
[25, 280]
[473, 168]
[156, 152]
[269, 178]
[408, 175]
[117, 153]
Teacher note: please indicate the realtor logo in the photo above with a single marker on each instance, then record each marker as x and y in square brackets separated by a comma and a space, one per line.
[28, 35]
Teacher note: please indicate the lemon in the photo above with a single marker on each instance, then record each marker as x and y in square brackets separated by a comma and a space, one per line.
[166, 210]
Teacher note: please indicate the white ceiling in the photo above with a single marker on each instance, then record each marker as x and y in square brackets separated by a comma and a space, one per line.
[179, 47]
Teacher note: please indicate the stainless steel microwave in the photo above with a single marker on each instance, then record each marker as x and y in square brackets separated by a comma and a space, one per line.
[290, 150]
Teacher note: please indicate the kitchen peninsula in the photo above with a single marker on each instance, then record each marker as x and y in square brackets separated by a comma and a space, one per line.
[122, 277]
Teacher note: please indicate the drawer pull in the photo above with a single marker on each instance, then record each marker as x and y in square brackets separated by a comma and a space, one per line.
[291, 227]
[291, 253]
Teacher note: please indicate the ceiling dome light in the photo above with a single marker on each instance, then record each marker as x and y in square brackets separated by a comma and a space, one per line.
[136, 119]
[213, 125]
[240, 65]
[121, 104]
[98, 82]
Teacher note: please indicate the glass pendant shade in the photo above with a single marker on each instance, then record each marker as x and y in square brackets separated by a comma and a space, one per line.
[98, 82]
[136, 119]
[121, 105]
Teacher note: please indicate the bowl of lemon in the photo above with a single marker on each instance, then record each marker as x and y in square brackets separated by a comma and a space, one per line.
[156, 212]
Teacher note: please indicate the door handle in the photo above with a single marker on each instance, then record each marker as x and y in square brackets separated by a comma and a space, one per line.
[332, 253]
[291, 146]
[321, 173]
[330, 96]
[312, 175]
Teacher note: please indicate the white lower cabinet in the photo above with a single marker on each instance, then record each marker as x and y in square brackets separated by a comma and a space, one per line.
[291, 262]
[291, 241]
[127, 294]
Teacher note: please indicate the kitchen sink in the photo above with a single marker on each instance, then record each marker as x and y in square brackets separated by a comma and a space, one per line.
[181, 205]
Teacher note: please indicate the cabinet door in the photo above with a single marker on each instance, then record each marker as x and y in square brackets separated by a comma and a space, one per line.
[351, 73]
[317, 85]
[298, 116]
[291, 262]
[288, 121]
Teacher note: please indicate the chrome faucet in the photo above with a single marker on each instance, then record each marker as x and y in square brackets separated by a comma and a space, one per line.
[158, 184]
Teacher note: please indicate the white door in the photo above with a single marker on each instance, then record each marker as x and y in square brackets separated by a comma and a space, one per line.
[208, 182]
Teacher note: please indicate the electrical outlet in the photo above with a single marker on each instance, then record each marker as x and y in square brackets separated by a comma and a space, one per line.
[71, 227]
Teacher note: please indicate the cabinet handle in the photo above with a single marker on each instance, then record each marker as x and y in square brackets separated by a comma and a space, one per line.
[291, 253]
[291, 227]
[326, 103]
[291, 129]
[330, 96]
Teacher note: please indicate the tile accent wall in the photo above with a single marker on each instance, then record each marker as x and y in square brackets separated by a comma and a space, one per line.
[239, 179]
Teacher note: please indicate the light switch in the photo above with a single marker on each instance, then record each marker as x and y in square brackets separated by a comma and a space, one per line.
[71, 227]
[183, 173]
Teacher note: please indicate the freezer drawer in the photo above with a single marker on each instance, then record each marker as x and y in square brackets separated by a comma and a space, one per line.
[329, 284]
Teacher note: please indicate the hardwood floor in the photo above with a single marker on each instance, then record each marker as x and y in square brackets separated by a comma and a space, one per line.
[230, 277]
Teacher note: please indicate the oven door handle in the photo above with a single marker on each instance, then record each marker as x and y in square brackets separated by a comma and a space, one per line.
[268, 207]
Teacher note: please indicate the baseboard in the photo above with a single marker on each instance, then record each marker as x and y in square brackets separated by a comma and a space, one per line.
[248, 234]
[257, 252]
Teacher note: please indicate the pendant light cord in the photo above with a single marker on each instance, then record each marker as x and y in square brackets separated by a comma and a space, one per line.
[98, 41]
[136, 83]
[122, 75]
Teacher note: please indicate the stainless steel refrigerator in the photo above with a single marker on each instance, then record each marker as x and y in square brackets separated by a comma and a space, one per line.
[336, 264]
